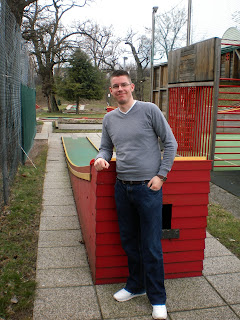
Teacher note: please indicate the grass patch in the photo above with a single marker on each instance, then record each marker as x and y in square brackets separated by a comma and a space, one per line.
[19, 225]
[225, 227]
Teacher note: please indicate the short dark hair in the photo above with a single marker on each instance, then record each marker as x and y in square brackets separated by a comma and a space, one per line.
[119, 73]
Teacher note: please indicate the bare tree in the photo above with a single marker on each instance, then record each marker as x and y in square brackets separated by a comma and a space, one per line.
[18, 6]
[169, 31]
[50, 41]
[100, 44]
[141, 51]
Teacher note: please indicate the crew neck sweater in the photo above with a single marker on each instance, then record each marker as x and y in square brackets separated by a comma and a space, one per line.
[135, 138]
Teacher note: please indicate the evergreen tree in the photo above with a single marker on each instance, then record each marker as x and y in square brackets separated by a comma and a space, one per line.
[82, 80]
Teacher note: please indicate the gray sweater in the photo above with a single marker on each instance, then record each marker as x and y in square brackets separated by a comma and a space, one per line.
[135, 138]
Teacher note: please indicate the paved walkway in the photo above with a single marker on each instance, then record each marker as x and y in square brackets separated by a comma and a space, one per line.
[65, 290]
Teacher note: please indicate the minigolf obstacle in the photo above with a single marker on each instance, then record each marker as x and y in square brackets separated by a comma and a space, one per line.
[185, 210]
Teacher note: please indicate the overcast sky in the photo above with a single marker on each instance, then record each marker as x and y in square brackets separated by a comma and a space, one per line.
[210, 18]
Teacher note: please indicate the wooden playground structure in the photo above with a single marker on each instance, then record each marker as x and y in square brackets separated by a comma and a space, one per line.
[199, 92]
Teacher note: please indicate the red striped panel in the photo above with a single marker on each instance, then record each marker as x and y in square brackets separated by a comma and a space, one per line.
[167, 245]
[183, 275]
[185, 200]
[183, 187]
[167, 276]
[188, 176]
[188, 223]
[107, 226]
[106, 215]
[175, 245]
[194, 165]
[105, 203]
[109, 238]
[106, 190]
[106, 176]
[121, 272]
[177, 212]
[199, 222]
[189, 211]
[110, 280]
[173, 257]
[188, 234]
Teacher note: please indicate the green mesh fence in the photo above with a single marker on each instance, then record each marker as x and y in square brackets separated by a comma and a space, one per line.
[17, 118]
[28, 102]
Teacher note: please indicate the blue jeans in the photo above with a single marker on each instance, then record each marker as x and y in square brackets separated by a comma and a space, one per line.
[139, 212]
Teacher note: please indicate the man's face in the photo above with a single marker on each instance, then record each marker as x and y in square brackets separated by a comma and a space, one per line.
[121, 89]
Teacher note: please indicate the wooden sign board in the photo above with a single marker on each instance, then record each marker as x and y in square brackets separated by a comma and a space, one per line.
[192, 63]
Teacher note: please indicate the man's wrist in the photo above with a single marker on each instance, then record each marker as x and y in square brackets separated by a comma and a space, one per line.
[162, 178]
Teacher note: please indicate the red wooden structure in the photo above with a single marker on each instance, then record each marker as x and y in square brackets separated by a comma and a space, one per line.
[185, 209]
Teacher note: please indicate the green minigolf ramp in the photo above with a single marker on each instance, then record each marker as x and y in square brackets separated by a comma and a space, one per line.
[79, 151]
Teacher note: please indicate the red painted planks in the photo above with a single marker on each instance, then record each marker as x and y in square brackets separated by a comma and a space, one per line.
[198, 222]
[189, 211]
[186, 200]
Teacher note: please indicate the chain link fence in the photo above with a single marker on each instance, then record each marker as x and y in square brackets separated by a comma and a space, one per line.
[15, 71]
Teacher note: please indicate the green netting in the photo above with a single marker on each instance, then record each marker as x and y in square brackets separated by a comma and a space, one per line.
[28, 103]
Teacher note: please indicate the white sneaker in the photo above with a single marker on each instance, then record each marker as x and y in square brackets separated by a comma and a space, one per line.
[124, 295]
[159, 311]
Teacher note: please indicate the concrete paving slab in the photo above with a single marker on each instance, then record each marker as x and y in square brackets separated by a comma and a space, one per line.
[66, 304]
[110, 308]
[59, 238]
[47, 193]
[59, 184]
[236, 308]
[57, 151]
[65, 257]
[59, 201]
[57, 176]
[59, 211]
[47, 127]
[221, 265]
[57, 161]
[218, 313]
[58, 179]
[190, 293]
[228, 286]
[56, 158]
[215, 249]
[55, 167]
[54, 195]
[59, 223]
[57, 278]
[58, 136]
[89, 135]
[41, 136]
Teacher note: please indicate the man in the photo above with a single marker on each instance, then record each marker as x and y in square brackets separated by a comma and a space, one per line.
[133, 129]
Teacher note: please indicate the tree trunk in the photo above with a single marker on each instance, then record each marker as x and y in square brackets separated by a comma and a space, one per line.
[54, 106]
[47, 89]
[77, 105]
